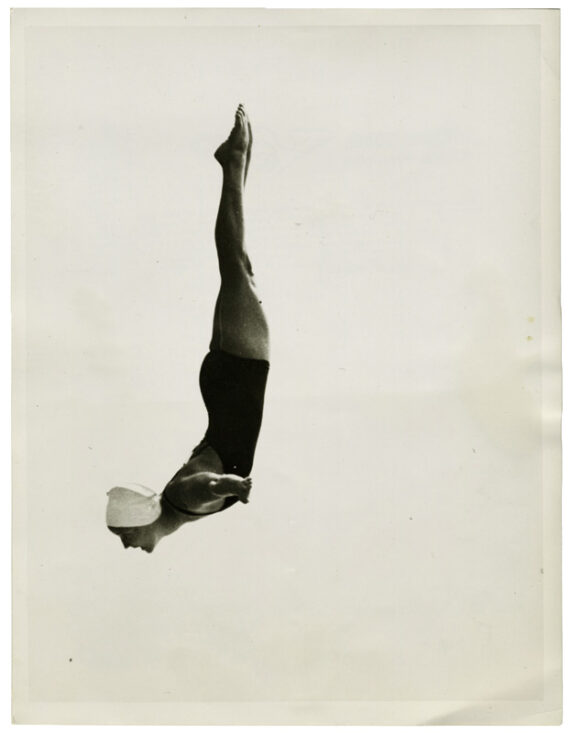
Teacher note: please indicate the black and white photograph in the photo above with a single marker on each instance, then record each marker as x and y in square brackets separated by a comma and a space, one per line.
[286, 388]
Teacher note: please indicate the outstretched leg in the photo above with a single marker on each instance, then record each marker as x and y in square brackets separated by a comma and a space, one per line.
[240, 326]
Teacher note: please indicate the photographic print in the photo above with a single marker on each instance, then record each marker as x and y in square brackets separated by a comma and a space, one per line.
[286, 382]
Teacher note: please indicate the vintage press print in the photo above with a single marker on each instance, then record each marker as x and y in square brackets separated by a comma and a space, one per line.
[286, 366]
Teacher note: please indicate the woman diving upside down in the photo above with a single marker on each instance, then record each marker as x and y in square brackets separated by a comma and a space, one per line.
[232, 381]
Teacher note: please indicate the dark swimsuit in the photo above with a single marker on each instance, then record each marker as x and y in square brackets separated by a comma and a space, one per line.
[233, 389]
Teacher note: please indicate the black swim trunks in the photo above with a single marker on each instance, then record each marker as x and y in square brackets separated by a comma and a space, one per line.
[233, 389]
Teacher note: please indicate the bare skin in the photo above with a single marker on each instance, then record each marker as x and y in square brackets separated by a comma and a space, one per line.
[239, 327]
[204, 492]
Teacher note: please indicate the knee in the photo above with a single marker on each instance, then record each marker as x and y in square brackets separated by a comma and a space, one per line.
[237, 270]
[247, 265]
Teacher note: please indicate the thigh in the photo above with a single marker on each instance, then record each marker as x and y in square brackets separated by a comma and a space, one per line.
[241, 326]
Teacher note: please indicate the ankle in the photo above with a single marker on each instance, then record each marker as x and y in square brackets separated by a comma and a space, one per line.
[235, 159]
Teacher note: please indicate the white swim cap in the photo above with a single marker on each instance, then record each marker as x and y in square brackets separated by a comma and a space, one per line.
[132, 506]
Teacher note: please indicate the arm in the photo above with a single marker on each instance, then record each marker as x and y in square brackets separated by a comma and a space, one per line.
[205, 491]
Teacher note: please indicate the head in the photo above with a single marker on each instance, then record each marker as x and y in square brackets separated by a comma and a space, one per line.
[133, 514]
[144, 537]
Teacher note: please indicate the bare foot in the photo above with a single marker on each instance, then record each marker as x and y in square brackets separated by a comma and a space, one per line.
[232, 485]
[236, 150]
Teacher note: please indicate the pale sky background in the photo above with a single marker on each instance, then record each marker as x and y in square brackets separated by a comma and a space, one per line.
[392, 549]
